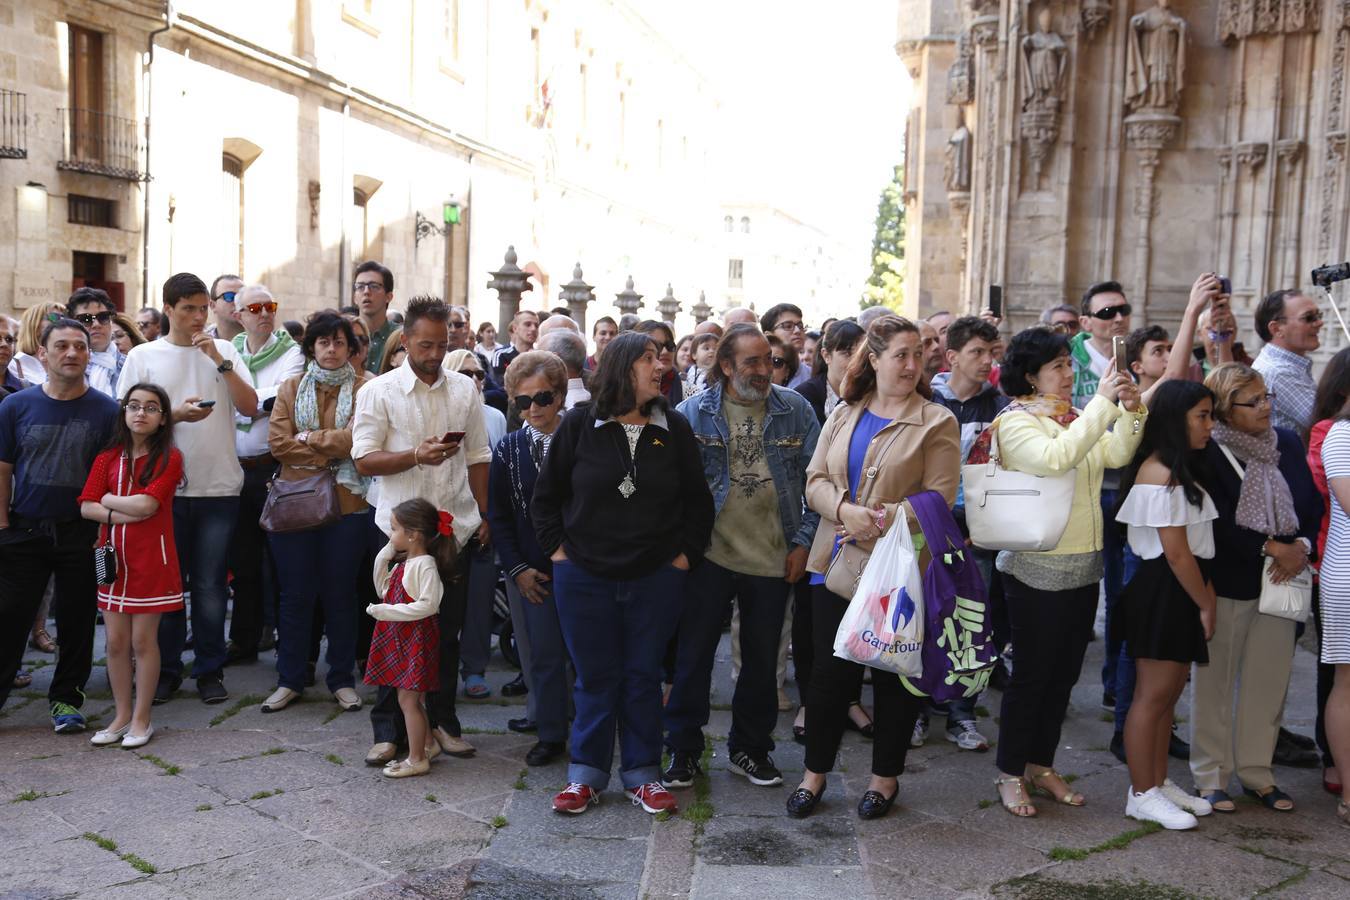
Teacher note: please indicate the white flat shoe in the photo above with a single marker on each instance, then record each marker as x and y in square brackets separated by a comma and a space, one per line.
[132, 741]
[109, 736]
[281, 698]
[347, 698]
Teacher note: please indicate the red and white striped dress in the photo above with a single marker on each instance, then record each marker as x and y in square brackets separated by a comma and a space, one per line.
[148, 580]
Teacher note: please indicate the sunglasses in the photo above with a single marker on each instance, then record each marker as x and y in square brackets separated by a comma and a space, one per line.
[779, 362]
[1065, 328]
[102, 318]
[1111, 312]
[476, 373]
[1307, 318]
[258, 308]
[525, 401]
[227, 296]
[668, 346]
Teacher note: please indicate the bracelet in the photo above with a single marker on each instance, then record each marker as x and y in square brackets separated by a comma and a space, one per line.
[417, 462]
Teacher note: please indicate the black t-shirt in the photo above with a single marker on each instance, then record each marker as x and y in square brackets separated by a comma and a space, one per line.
[52, 445]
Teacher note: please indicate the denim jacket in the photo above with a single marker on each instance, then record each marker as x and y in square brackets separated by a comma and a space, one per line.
[790, 433]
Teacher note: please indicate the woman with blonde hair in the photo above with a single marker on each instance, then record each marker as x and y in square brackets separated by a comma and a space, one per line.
[882, 443]
[125, 333]
[35, 318]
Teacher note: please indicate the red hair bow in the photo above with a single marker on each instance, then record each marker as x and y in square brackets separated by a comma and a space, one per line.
[443, 522]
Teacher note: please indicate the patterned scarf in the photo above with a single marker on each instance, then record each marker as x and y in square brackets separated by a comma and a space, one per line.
[271, 351]
[1045, 405]
[307, 413]
[1265, 504]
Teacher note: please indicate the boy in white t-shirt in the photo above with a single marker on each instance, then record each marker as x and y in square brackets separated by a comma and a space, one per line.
[199, 373]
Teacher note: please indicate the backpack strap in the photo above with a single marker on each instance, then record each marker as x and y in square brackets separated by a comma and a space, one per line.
[935, 519]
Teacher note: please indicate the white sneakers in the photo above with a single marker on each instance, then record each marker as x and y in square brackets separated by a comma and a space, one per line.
[1154, 806]
[1197, 806]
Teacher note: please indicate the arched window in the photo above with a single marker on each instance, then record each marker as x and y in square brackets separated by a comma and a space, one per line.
[729, 224]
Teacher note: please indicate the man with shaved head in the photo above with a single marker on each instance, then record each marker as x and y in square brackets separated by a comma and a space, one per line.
[739, 315]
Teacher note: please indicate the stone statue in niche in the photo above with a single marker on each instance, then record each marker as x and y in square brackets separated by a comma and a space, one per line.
[1044, 59]
[956, 158]
[961, 76]
[1156, 70]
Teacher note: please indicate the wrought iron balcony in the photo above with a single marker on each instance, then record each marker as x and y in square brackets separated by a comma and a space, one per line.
[13, 125]
[101, 144]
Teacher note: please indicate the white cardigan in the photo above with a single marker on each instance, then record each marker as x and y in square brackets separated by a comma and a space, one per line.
[422, 582]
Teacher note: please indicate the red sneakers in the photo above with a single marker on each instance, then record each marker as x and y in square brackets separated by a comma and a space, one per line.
[652, 797]
[575, 799]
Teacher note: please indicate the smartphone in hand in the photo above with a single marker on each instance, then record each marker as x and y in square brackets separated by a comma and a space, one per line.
[205, 404]
[453, 437]
[996, 300]
[1118, 348]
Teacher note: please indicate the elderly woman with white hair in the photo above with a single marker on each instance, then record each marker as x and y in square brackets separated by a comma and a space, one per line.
[476, 634]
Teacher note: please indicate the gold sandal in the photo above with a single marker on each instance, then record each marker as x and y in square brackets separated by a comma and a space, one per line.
[1023, 801]
[1072, 798]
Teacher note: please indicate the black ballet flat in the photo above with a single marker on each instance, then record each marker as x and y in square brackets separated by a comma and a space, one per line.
[802, 803]
[867, 730]
[873, 805]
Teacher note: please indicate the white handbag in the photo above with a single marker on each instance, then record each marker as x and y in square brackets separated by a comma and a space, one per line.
[1011, 510]
[1291, 600]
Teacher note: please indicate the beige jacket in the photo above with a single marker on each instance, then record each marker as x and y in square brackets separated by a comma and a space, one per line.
[924, 456]
[324, 446]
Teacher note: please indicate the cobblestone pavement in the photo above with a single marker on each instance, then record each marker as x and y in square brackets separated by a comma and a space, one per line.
[226, 802]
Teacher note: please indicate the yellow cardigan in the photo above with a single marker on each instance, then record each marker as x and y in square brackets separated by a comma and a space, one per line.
[1089, 446]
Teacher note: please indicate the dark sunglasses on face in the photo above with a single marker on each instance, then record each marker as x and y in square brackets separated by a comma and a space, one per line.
[1110, 312]
[103, 318]
[524, 401]
[227, 296]
[1308, 318]
[668, 346]
[257, 308]
[476, 373]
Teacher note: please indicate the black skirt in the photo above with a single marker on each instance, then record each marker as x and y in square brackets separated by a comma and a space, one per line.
[1157, 619]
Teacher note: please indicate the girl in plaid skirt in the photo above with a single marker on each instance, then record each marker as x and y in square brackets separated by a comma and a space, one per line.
[405, 648]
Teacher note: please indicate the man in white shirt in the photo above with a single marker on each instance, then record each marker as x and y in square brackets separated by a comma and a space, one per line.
[94, 309]
[420, 430]
[570, 347]
[270, 357]
[202, 376]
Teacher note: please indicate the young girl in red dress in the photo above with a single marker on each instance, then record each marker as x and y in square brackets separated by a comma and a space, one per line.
[405, 650]
[130, 491]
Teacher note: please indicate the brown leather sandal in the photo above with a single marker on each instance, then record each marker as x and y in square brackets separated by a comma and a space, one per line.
[42, 641]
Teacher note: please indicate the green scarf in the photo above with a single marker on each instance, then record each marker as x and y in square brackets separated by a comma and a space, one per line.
[307, 414]
[268, 354]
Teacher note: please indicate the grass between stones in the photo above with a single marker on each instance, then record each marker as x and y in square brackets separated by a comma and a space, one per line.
[520, 784]
[234, 708]
[334, 759]
[263, 795]
[168, 767]
[1119, 842]
[130, 859]
[701, 810]
[499, 822]
[30, 795]
[1044, 887]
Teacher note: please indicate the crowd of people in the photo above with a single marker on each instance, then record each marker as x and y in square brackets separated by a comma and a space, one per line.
[360, 482]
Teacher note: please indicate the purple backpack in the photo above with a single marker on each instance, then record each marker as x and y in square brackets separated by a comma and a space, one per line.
[958, 647]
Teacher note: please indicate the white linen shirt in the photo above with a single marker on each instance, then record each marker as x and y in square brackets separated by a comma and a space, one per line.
[395, 413]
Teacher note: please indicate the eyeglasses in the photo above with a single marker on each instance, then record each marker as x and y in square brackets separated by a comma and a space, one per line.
[258, 308]
[779, 362]
[150, 409]
[1308, 318]
[789, 326]
[368, 287]
[1110, 312]
[1266, 399]
[102, 318]
[1065, 327]
[524, 401]
[227, 296]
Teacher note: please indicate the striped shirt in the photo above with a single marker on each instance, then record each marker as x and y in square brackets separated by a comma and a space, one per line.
[1335, 568]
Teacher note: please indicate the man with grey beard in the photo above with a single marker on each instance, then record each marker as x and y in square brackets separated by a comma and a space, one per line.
[756, 440]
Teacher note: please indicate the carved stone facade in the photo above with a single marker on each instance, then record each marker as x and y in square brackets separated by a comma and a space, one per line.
[1055, 143]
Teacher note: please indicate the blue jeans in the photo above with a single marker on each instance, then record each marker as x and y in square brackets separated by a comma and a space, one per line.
[476, 637]
[319, 567]
[616, 632]
[202, 529]
[1125, 668]
[754, 706]
[546, 668]
[1113, 562]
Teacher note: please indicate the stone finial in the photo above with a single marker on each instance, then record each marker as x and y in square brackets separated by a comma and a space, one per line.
[668, 305]
[628, 300]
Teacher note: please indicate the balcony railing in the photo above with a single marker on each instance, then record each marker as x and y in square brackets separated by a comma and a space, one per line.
[13, 125]
[100, 144]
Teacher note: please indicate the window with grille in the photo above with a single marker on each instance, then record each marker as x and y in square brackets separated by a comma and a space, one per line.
[96, 211]
[735, 273]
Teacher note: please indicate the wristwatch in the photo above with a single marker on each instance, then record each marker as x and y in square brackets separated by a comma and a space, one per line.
[226, 366]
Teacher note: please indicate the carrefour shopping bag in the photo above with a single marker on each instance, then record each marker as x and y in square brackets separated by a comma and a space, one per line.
[883, 626]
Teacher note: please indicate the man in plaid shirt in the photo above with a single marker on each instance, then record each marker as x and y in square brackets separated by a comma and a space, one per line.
[1289, 321]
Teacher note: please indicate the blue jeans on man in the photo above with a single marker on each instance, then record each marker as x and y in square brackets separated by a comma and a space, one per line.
[616, 632]
[202, 529]
[708, 593]
[547, 668]
[319, 567]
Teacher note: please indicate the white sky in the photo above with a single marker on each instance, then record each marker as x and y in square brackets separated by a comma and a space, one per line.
[814, 94]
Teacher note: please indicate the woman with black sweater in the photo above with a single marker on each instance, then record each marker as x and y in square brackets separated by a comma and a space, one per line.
[623, 510]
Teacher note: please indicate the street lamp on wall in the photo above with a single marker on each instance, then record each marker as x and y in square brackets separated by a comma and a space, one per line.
[424, 227]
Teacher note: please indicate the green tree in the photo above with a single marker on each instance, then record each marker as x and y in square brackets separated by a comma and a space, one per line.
[886, 285]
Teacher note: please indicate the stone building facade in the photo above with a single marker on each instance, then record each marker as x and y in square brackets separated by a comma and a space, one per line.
[1055, 143]
[285, 141]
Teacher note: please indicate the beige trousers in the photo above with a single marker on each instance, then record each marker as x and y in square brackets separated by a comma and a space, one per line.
[1253, 652]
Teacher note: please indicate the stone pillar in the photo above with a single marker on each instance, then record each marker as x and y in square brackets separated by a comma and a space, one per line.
[510, 281]
[701, 310]
[577, 294]
[668, 305]
[628, 300]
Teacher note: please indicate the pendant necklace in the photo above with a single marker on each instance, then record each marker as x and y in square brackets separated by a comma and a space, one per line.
[628, 487]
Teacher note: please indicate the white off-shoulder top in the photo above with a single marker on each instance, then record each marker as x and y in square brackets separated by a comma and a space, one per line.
[422, 582]
[1152, 506]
